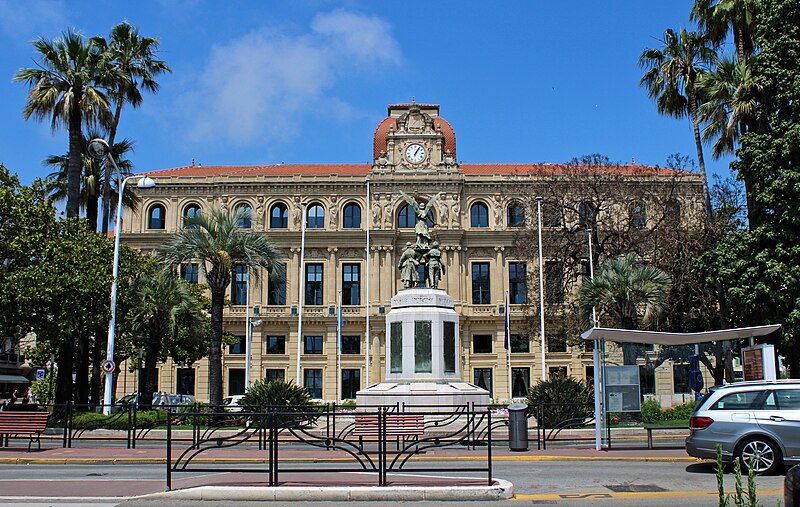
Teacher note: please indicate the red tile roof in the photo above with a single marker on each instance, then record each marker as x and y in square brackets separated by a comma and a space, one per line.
[363, 169]
[382, 131]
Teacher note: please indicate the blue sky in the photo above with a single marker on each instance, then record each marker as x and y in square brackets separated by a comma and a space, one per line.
[308, 80]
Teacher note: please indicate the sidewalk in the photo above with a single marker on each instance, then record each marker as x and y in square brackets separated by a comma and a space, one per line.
[52, 454]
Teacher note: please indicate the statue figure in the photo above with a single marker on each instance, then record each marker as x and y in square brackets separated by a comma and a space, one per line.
[376, 212]
[444, 213]
[334, 214]
[435, 266]
[421, 208]
[408, 266]
[297, 213]
[455, 209]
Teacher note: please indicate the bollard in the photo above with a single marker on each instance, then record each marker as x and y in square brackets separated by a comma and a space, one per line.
[791, 487]
[517, 427]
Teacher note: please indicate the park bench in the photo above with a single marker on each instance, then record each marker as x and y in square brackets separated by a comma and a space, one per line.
[22, 423]
[649, 430]
[401, 426]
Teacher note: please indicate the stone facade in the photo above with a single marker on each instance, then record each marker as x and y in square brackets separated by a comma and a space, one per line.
[414, 150]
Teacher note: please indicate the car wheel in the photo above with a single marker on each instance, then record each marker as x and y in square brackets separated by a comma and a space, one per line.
[763, 452]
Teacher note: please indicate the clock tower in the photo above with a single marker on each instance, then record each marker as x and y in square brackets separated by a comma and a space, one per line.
[414, 138]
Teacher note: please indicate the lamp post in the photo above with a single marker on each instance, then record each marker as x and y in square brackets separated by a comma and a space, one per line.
[541, 288]
[99, 149]
[300, 291]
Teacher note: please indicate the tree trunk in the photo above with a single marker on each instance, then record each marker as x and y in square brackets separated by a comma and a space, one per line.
[112, 134]
[150, 377]
[215, 351]
[700, 160]
[64, 373]
[97, 358]
[74, 165]
[92, 206]
[82, 370]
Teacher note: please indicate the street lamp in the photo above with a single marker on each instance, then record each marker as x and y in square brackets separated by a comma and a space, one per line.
[541, 287]
[99, 149]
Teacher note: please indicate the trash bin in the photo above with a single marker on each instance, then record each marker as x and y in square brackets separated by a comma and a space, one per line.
[517, 427]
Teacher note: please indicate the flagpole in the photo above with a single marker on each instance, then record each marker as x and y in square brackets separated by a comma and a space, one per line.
[339, 349]
[508, 348]
[247, 333]
[367, 305]
[541, 288]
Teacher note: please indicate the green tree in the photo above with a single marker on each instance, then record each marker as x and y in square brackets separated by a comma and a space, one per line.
[131, 66]
[93, 175]
[718, 18]
[63, 88]
[671, 78]
[762, 266]
[219, 244]
[161, 304]
[626, 292]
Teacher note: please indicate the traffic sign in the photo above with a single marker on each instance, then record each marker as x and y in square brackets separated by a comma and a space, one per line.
[40, 373]
[108, 366]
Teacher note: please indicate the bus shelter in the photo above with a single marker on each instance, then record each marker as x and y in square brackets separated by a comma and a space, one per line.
[601, 335]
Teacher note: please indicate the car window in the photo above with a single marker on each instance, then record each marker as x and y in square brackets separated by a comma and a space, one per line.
[746, 400]
[769, 402]
[788, 399]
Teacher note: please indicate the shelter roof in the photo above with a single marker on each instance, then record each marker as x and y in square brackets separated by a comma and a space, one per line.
[668, 339]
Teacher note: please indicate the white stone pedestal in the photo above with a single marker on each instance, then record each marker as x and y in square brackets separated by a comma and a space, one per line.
[423, 363]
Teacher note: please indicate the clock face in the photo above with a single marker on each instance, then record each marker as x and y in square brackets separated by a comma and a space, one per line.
[415, 154]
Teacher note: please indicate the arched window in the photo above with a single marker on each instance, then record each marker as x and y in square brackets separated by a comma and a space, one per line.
[246, 221]
[407, 219]
[638, 214]
[672, 212]
[156, 218]
[516, 215]
[479, 215]
[279, 217]
[352, 216]
[586, 212]
[552, 215]
[315, 218]
[191, 211]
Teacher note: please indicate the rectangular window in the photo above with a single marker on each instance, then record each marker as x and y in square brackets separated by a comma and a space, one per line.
[235, 381]
[422, 346]
[480, 283]
[351, 383]
[556, 341]
[312, 345]
[589, 376]
[482, 343]
[276, 289]
[274, 374]
[449, 346]
[238, 347]
[520, 382]
[185, 380]
[312, 380]
[189, 272]
[517, 283]
[483, 378]
[554, 283]
[239, 285]
[397, 347]
[680, 378]
[520, 343]
[647, 379]
[351, 292]
[351, 344]
[276, 345]
[313, 284]
[558, 371]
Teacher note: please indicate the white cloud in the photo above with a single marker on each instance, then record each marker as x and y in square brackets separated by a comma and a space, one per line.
[21, 19]
[260, 85]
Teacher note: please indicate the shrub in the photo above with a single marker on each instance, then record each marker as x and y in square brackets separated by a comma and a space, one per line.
[564, 398]
[192, 407]
[651, 411]
[284, 397]
[680, 412]
[117, 421]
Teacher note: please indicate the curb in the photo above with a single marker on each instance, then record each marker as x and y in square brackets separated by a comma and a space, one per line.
[502, 490]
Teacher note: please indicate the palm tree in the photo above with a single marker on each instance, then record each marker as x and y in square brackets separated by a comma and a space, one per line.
[632, 294]
[671, 77]
[130, 66]
[160, 305]
[92, 176]
[63, 89]
[717, 18]
[219, 244]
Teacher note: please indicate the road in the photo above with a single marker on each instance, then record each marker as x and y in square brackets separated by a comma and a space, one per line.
[536, 482]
